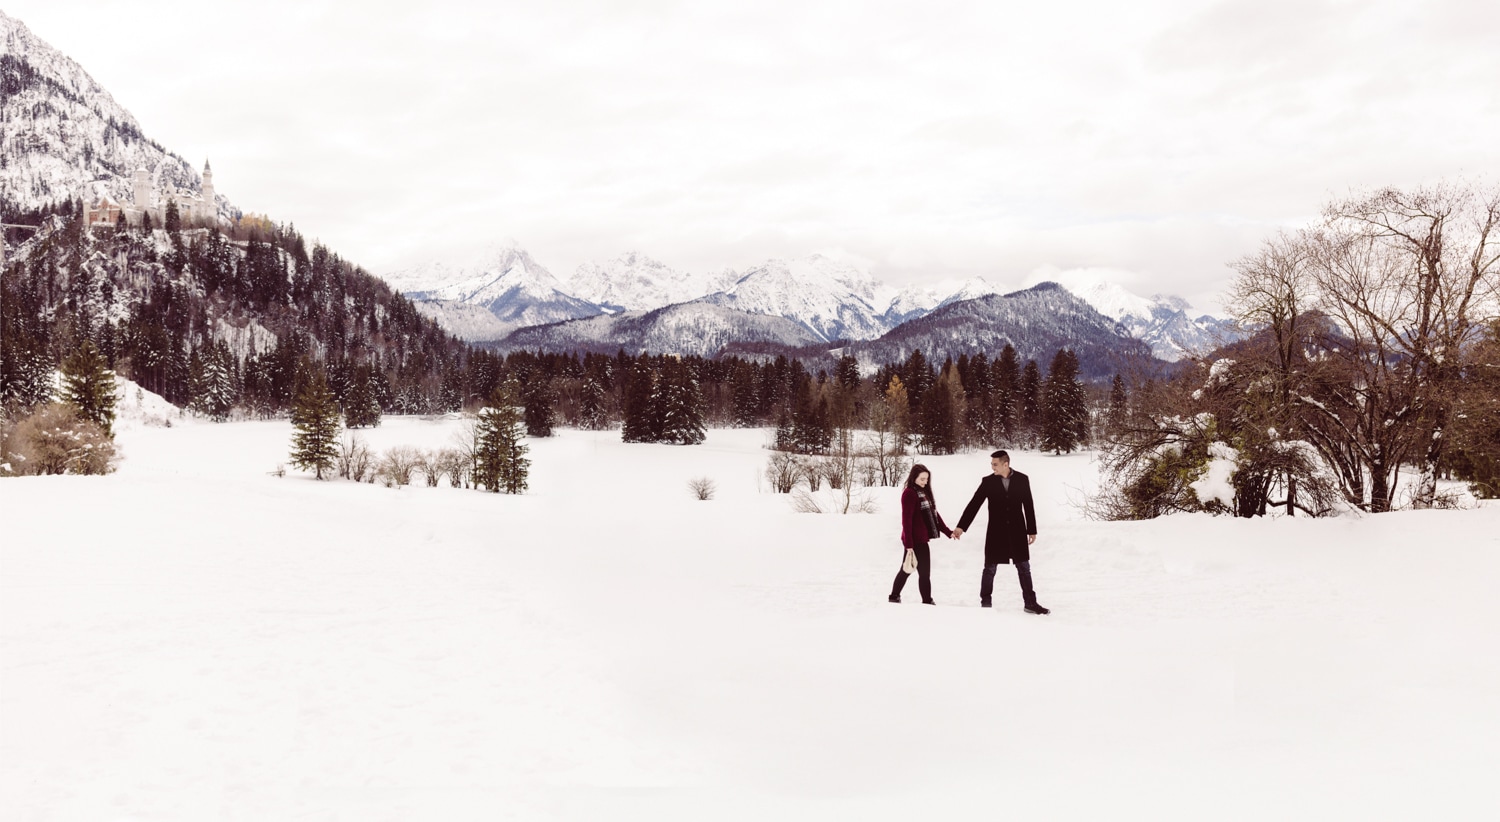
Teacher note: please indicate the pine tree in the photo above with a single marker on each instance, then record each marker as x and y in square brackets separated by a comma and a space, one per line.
[1064, 406]
[1119, 407]
[1029, 404]
[682, 406]
[939, 423]
[786, 436]
[315, 415]
[916, 374]
[89, 386]
[213, 387]
[638, 391]
[500, 462]
[591, 412]
[539, 399]
[747, 397]
[979, 404]
[361, 410]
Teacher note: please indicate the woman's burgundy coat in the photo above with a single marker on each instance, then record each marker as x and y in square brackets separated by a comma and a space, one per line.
[1012, 518]
[913, 524]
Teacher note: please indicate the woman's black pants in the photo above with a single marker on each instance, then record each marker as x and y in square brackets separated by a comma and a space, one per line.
[924, 573]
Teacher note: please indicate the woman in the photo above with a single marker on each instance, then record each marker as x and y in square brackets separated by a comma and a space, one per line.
[920, 522]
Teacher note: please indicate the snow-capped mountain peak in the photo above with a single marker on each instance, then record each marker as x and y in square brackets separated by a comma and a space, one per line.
[830, 298]
[971, 289]
[634, 281]
[1161, 321]
[506, 281]
[1113, 300]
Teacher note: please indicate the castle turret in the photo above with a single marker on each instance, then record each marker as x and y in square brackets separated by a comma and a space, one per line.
[210, 207]
[142, 186]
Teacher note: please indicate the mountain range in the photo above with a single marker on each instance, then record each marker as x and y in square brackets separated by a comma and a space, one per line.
[511, 301]
[64, 138]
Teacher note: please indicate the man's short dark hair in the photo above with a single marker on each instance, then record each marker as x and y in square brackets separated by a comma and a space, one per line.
[1001, 455]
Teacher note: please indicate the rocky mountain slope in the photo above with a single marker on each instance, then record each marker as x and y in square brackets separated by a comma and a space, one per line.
[1037, 321]
[700, 328]
[63, 137]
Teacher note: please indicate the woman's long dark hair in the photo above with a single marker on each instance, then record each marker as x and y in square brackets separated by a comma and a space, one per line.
[911, 480]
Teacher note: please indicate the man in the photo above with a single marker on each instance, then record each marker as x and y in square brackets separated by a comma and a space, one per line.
[1011, 531]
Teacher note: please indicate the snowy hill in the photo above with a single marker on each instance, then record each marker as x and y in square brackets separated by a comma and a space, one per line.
[63, 137]
[1037, 321]
[508, 283]
[1163, 321]
[698, 328]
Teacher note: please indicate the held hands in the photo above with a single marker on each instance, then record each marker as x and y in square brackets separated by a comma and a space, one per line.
[959, 532]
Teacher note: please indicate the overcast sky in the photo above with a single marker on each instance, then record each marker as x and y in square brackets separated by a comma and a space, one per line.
[1150, 142]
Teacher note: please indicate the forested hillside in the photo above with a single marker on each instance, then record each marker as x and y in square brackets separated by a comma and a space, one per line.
[215, 321]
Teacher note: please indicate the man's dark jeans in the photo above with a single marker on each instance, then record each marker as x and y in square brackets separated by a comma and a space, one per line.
[1023, 573]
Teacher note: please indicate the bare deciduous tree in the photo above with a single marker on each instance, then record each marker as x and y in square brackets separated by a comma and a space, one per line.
[1429, 294]
[1363, 326]
[355, 458]
[432, 465]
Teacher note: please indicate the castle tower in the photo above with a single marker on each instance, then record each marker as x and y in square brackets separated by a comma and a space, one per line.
[142, 186]
[210, 207]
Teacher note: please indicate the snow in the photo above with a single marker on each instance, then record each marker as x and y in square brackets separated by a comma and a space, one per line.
[210, 641]
[1215, 484]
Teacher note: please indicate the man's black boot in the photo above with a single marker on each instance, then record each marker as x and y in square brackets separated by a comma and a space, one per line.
[1034, 607]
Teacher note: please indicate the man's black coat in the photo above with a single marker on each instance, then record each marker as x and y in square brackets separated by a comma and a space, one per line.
[1012, 518]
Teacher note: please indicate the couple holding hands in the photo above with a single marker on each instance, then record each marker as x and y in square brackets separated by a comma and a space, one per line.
[1011, 531]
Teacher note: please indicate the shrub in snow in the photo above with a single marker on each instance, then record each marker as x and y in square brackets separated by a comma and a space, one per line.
[432, 467]
[834, 501]
[355, 459]
[455, 464]
[56, 440]
[812, 473]
[1174, 464]
[702, 488]
[398, 464]
[782, 471]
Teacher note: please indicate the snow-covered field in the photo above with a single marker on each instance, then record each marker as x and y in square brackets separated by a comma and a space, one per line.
[193, 638]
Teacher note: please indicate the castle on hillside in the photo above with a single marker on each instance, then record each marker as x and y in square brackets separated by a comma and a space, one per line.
[194, 209]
